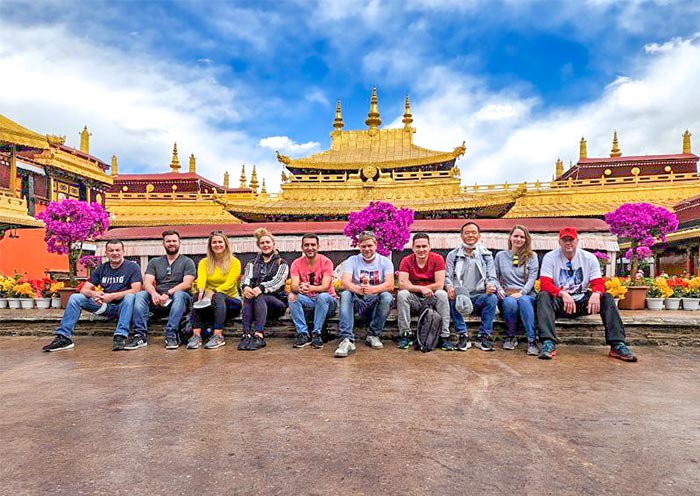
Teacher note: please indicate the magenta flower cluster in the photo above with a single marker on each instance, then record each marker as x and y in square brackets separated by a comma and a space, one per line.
[70, 222]
[390, 225]
[90, 262]
[601, 256]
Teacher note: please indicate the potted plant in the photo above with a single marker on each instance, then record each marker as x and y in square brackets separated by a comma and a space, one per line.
[691, 294]
[657, 293]
[43, 289]
[616, 288]
[55, 289]
[5, 284]
[677, 285]
[26, 293]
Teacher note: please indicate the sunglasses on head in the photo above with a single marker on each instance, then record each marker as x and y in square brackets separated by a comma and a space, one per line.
[218, 233]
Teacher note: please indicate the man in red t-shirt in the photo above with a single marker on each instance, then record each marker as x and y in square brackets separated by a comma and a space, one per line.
[312, 287]
[422, 276]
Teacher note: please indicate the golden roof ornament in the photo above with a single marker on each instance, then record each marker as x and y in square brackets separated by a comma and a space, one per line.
[254, 181]
[85, 140]
[284, 159]
[558, 169]
[193, 164]
[338, 122]
[373, 121]
[582, 149]
[226, 180]
[407, 116]
[54, 139]
[686, 142]
[263, 190]
[115, 167]
[175, 162]
[243, 178]
[615, 152]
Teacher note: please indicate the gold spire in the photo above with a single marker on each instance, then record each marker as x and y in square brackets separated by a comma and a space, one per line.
[582, 149]
[243, 179]
[226, 180]
[85, 140]
[254, 181]
[338, 122]
[263, 191]
[193, 164]
[373, 121]
[558, 169]
[115, 167]
[686, 142]
[175, 162]
[407, 116]
[615, 152]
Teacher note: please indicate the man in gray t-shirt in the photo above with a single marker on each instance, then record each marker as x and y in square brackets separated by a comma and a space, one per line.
[167, 284]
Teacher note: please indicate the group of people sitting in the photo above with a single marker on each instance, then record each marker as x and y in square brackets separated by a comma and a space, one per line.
[469, 281]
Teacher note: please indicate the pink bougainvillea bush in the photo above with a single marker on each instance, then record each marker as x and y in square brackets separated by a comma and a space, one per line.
[390, 225]
[69, 223]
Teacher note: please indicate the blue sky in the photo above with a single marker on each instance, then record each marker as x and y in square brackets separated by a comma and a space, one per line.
[520, 82]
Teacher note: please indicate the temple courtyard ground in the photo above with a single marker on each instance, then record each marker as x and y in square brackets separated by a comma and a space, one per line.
[287, 421]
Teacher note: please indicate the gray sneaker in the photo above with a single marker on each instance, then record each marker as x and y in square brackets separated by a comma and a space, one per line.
[171, 343]
[374, 342]
[215, 342]
[194, 342]
[532, 348]
[510, 343]
[345, 348]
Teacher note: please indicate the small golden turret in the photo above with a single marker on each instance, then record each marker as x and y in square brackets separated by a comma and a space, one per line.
[615, 152]
[686, 142]
[373, 121]
[338, 122]
[85, 140]
[175, 162]
[558, 169]
[582, 149]
[193, 164]
[263, 190]
[254, 180]
[115, 167]
[243, 178]
[226, 180]
[407, 116]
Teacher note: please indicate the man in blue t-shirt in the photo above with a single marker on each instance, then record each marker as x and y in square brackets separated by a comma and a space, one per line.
[367, 280]
[110, 291]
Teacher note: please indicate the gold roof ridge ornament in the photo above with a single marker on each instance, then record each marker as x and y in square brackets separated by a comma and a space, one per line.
[582, 149]
[115, 167]
[175, 162]
[615, 152]
[686, 142]
[338, 121]
[407, 116]
[226, 177]
[243, 178]
[373, 121]
[85, 140]
[193, 164]
[558, 169]
[254, 180]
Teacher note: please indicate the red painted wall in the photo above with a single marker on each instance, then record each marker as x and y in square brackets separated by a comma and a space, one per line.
[28, 254]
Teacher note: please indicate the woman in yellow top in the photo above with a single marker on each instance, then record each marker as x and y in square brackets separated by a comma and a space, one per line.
[217, 280]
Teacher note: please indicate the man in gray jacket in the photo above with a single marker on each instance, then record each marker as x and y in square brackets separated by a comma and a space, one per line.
[471, 283]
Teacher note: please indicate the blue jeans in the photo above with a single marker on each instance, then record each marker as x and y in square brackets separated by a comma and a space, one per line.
[374, 308]
[143, 306]
[78, 302]
[524, 308]
[323, 305]
[484, 305]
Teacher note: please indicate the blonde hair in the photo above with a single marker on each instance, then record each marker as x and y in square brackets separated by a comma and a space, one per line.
[227, 255]
[526, 251]
[260, 233]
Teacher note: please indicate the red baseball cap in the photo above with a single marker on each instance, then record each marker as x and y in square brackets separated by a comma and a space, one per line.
[568, 231]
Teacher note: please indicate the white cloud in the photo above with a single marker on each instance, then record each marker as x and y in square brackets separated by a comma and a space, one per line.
[317, 96]
[286, 145]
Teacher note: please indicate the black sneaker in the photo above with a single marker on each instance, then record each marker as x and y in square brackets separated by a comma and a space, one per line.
[135, 342]
[119, 343]
[244, 342]
[256, 342]
[484, 343]
[302, 340]
[59, 343]
[317, 342]
[446, 345]
[464, 344]
[171, 342]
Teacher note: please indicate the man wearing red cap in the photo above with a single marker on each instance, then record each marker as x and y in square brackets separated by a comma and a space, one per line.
[571, 285]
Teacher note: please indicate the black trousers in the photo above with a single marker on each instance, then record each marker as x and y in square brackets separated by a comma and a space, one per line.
[550, 307]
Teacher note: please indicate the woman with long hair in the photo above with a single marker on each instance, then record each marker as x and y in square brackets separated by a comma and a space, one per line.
[517, 269]
[262, 284]
[217, 281]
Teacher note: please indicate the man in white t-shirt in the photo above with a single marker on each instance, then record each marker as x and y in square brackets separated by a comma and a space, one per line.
[367, 280]
[571, 285]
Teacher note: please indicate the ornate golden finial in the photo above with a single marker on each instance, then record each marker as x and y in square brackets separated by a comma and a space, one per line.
[407, 116]
[373, 121]
[282, 159]
[115, 167]
[686, 142]
[582, 149]
[615, 152]
[338, 122]
[193, 164]
[263, 190]
[558, 169]
[85, 140]
[175, 162]
[243, 179]
[226, 180]
[254, 181]
[284, 177]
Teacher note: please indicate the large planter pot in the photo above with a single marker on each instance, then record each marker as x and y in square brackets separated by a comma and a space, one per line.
[691, 303]
[634, 298]
[56, 302]
[13, 303]
[672, 303]
[65, 295]
[655, 303]
[3, 302]
[43, 303]
[26, 303]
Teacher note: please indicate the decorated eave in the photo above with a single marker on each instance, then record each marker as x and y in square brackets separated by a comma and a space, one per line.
[13, 212]
[163, 182]
[12, 135]
[72, 161]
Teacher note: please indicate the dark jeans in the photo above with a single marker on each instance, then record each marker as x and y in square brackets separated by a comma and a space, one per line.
[222, 308]
[258, 310]
[550, 307]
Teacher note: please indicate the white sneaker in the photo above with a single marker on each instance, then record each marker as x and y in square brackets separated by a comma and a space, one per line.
[345, 348]
[374, 342]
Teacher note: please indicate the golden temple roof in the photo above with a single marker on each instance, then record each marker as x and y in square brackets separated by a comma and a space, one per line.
[76, 162]
[13, 212]
[14, 134]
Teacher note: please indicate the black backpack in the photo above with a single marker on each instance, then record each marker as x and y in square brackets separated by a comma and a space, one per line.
[428, 328]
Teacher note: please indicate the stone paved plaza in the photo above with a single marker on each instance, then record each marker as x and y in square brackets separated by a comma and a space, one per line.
[286, 421]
